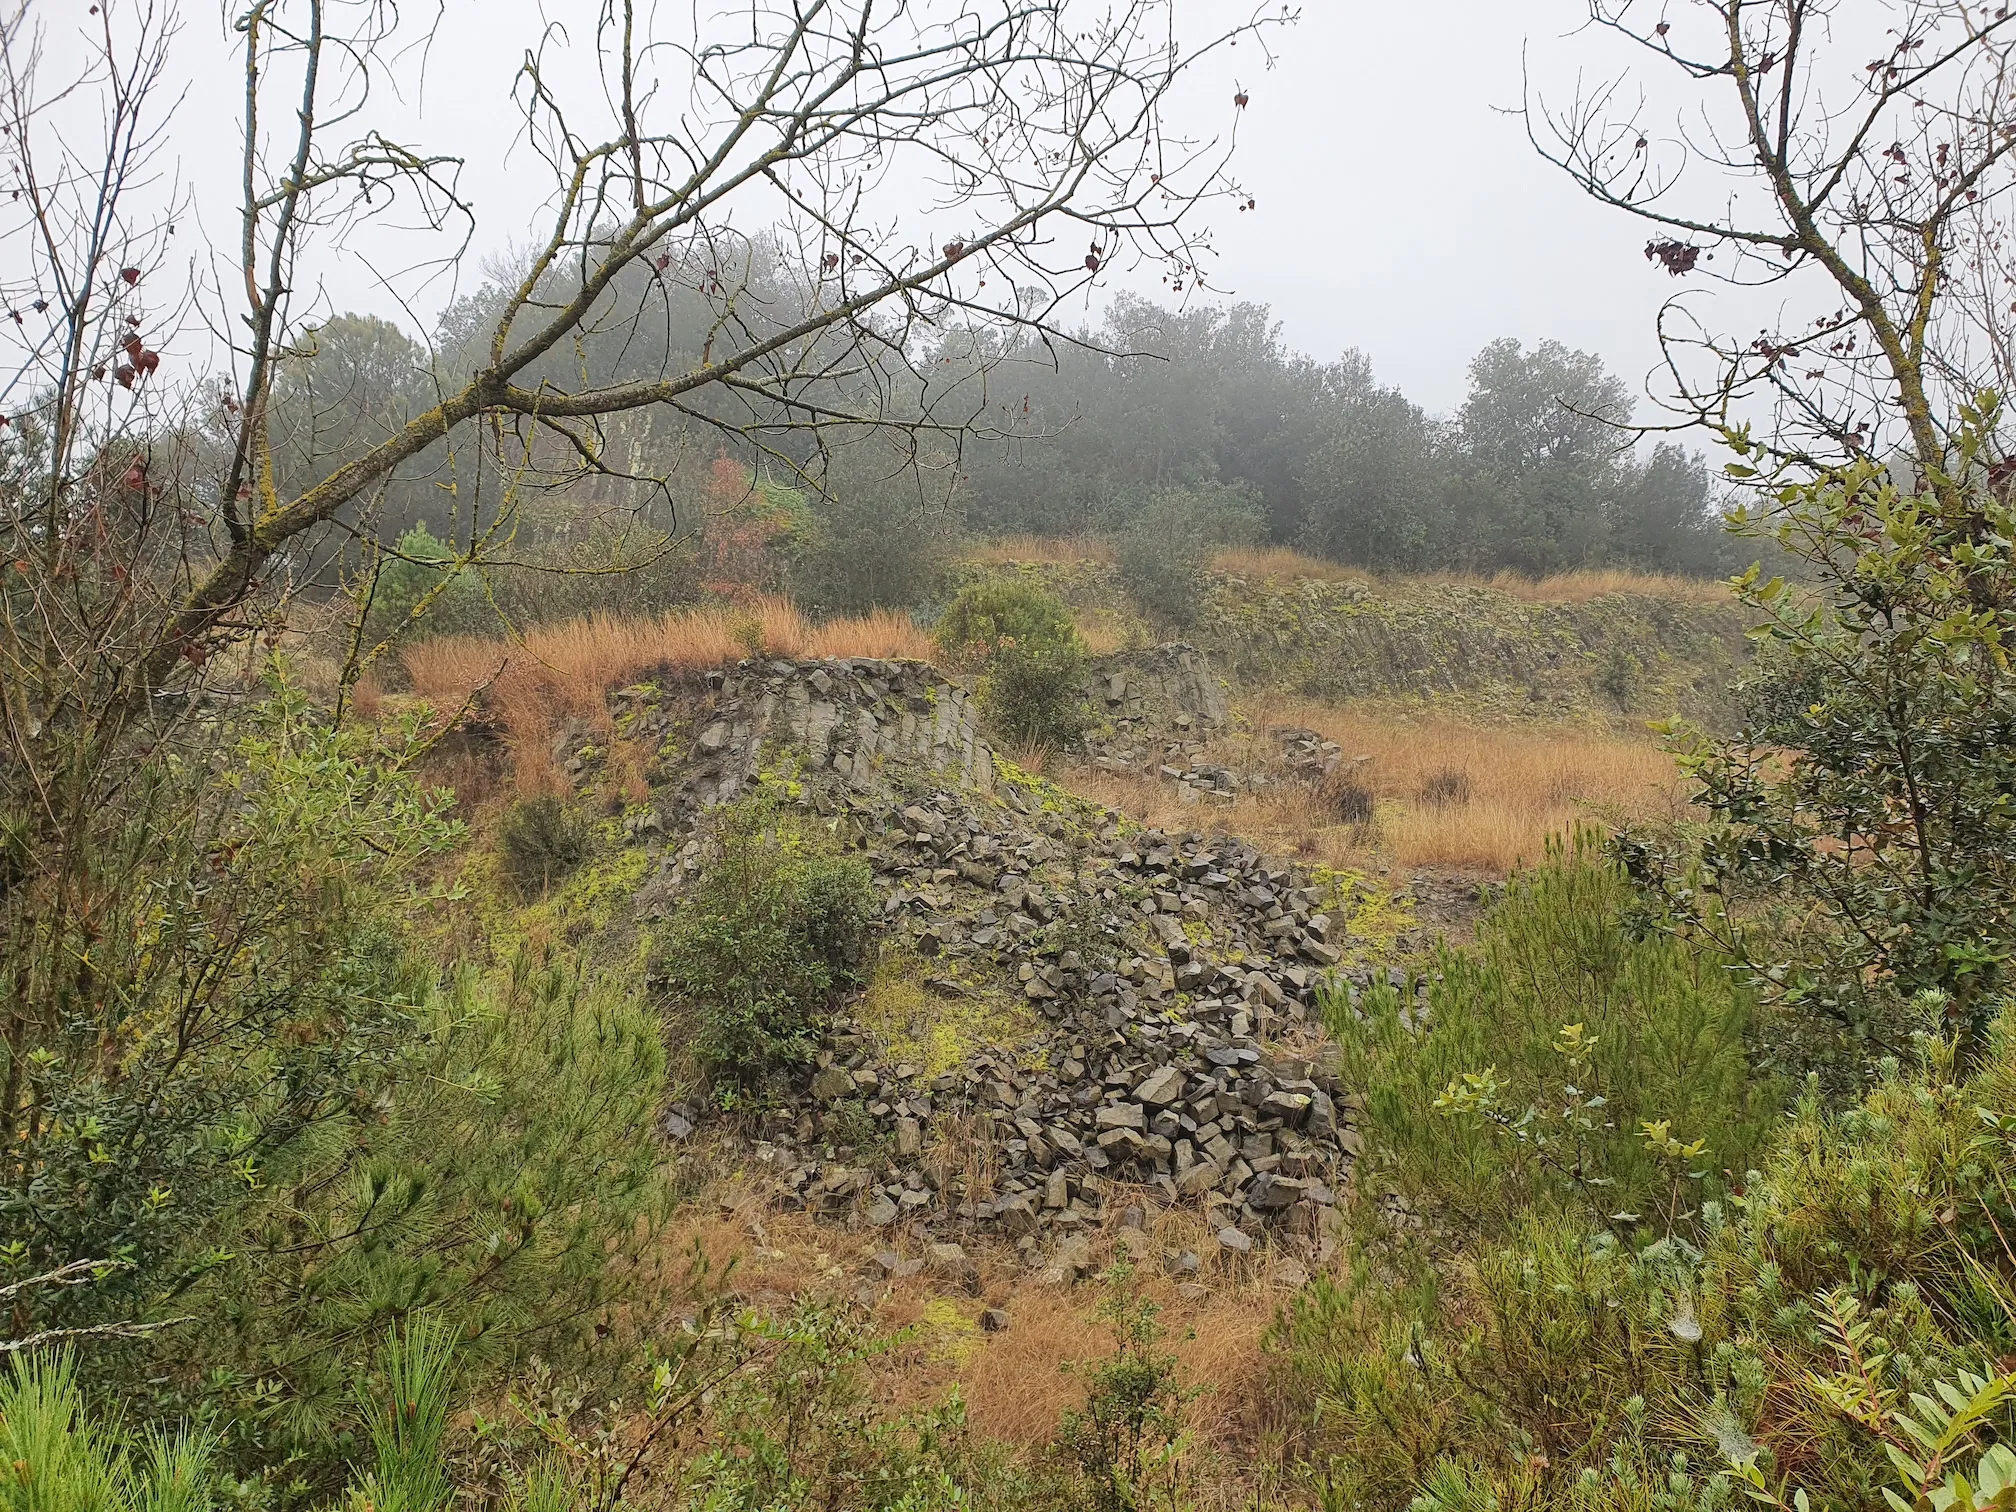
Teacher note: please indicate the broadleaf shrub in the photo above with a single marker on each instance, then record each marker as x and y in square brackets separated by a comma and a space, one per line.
[1864, 840]
[779, 921]
[1029, 655]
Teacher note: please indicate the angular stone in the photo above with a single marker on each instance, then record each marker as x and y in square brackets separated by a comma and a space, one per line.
[1160, 1088]
[1233, 1242]
[994, 1320]
[1120, 1144]
[1016, 1215]
[1200, 1178]
[1057, 1191]
[946, 1257]
[1274, 1194]
[1322, 1115]
[1073, 1256]
[832, 1083]
[909, 1137]
[1290, 1107]
[1121, 1116]
[880, 1213]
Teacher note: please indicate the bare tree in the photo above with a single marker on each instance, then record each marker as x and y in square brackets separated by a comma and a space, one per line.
[832, 192]
[1852, 159]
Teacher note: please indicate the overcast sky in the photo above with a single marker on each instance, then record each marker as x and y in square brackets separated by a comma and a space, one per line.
[1400, 208]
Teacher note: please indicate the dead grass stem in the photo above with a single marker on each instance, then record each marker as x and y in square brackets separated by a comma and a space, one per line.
[1590, 583]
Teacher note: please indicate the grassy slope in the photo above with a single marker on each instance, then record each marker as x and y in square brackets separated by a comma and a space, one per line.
[1614, 647]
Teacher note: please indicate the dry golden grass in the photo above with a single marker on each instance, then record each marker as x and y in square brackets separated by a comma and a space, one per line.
[1593, 583]
[1103, 631]
[1281, 564]
[558, 671]
[1056, 551]
[1014, 1382]
[1446, 793]
[883, 633]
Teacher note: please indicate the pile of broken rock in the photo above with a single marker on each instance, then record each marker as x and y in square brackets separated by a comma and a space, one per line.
[1162, 989]
[1170, 980]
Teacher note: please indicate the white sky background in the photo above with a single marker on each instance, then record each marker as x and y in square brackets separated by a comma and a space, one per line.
[1400, 209]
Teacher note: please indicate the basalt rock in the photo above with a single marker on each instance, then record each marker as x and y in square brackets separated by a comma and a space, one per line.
[1171, 981]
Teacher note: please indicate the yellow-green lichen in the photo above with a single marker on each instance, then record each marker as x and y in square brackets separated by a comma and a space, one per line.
[934, 1032]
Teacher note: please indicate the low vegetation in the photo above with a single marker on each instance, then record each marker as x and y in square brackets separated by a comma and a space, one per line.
[384, 1132]
[778, 924]
[1547, 1056]
[1022, 644]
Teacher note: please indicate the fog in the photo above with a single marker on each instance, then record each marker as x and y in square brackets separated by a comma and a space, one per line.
[1399, 208]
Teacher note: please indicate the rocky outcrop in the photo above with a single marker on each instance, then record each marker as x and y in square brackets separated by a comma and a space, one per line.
[1153, 996]
[844, 721]
[1168, 687]
[1172, 981]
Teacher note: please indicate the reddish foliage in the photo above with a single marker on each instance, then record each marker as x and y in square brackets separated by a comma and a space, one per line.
[1676, 256]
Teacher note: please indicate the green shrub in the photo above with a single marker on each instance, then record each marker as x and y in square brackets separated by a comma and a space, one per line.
[1164, 547]
[497, 1173]
[1036, 694]
[1881, 859]
[1029, 655]
[1124, 1449]
[1776, 1344]
[1000, 611]
[805, 1430]
[877, 538]
[541, 841]
[419, 591]
[1162, 564]
[1563, 1064]
[777, 923]
[237, 981]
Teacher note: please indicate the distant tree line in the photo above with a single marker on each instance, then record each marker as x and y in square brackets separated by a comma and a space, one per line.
[1195, 427]
[1532, 474]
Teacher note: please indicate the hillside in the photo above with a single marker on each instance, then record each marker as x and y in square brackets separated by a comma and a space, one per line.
[1080, 1034]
